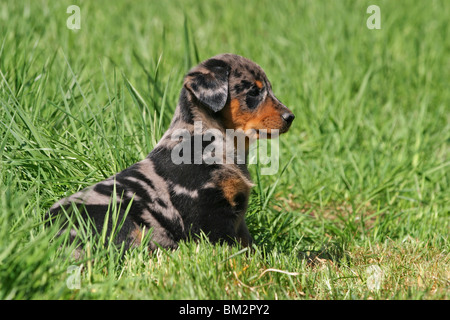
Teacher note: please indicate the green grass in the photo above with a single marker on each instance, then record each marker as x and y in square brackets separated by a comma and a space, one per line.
[367, 159]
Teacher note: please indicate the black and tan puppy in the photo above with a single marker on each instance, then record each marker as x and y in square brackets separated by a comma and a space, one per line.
[176, 200]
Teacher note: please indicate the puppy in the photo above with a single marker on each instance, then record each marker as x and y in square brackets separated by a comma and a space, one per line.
[175, 199]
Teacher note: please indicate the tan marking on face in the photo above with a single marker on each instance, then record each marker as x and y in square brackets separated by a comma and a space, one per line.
[234, 117]
[267, 117]
[259, 84]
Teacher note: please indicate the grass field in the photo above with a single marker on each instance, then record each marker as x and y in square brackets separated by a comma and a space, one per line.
[366, 179]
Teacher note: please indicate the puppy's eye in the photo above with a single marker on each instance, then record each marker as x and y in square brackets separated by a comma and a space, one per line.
[254, 92]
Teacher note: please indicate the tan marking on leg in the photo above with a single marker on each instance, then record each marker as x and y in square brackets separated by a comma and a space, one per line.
[232, 186]
[136, 235]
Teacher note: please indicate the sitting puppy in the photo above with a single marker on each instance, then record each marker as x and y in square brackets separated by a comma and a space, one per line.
[176, 199]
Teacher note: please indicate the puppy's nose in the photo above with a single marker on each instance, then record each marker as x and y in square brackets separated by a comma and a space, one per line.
[288, 117]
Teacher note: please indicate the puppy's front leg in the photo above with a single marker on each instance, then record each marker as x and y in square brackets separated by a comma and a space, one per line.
[243, 235]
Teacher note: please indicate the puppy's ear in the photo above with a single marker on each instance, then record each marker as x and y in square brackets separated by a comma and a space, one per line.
[208, 82]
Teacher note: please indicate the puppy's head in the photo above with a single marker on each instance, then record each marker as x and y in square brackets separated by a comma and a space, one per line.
[239, 93]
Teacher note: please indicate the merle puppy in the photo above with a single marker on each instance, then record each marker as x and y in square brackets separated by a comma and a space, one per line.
[175, 200]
